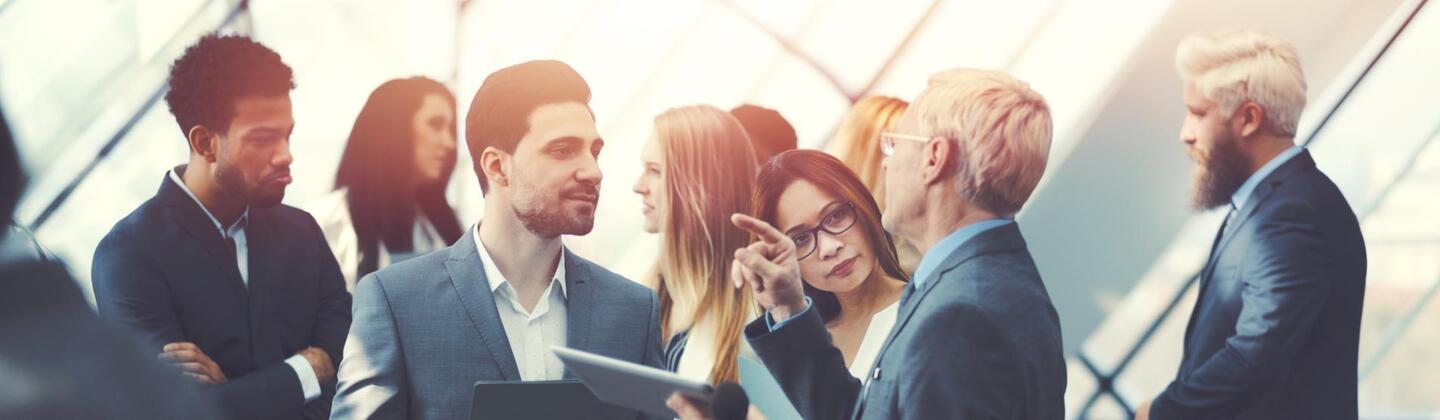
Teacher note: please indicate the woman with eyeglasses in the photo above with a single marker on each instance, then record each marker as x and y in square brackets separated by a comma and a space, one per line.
[699, 168]
[847, 260]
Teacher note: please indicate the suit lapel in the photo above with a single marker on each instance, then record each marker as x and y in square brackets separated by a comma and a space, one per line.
[1000, 239]
[1262, 192]
[1229, 230]
[467, 276]
[580, 306]
[186, 213]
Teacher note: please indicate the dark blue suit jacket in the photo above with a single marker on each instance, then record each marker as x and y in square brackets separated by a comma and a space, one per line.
[978, 340]
[165, 271]
[1276, 330]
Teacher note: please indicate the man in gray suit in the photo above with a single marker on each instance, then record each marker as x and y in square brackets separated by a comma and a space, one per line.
[976, 335]
[489, 307]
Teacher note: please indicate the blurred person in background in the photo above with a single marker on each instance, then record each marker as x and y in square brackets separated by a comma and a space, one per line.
[770, 133]
[389, 200]
[699, 168]
[57, 359]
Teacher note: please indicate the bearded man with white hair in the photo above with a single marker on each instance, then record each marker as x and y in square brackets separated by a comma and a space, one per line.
[1275, 332]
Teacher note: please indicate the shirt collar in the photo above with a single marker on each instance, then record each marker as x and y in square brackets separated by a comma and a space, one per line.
[1237, 201]
[952, 242]
[496, 280]
[237, 228]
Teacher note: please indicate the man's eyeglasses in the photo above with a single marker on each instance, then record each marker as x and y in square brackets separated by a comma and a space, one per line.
[839, 217]
[889, 138]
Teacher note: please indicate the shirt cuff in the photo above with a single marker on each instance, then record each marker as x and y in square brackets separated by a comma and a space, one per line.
[309, 384]
[770, 321]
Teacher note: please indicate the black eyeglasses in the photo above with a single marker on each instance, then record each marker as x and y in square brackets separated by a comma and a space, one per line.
[839, 217]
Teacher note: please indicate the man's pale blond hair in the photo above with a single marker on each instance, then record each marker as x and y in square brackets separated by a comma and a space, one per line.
[1001, 128]
[1234, 67]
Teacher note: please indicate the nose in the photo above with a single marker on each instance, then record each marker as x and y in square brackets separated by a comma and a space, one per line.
[828, 244]
[589, 171]
[639, 187]
[1187, 134]
[447, 142]
[282, 156]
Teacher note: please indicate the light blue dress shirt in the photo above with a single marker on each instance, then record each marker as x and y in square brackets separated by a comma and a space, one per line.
[1237, 201]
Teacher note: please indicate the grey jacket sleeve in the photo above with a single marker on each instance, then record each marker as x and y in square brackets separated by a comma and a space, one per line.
[371, 378]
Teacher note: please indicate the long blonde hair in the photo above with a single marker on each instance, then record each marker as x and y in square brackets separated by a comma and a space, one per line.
[857, 142]
[709, 173]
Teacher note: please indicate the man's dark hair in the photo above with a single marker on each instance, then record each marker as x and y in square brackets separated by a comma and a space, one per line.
[215, 73]
[500, 113]
[770, 134]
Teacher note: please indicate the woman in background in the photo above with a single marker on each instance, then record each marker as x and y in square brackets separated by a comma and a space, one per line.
[699, 167]
[857, 143]
[847, 260]
[389, 200]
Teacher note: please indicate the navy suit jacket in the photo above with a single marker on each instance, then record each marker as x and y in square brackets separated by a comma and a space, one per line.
[978, 340]
[1276, 330]
[166, 272]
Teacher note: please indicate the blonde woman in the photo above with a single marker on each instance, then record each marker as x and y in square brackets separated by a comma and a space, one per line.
[699, 168]
[857, 144]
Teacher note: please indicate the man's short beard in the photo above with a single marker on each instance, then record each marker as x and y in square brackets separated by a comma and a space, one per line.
[551, 221]
[232, 183]
[1221, 174]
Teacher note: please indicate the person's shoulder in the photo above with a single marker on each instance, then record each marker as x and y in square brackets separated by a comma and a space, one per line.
[142, 221]
[414, 271]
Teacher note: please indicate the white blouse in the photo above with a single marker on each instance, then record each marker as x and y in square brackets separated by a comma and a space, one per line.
[875, 334]
[332, 212]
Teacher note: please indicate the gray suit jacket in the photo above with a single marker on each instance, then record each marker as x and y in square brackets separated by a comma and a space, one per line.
[426, 329]
[978, 340]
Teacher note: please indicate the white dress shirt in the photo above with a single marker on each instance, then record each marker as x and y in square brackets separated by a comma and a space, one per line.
[309, 384]
[531, 333]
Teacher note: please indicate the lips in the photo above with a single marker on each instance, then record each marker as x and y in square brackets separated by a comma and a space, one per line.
[844, 267]
[588, 198]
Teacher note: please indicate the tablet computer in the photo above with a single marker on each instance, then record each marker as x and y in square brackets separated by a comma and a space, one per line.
[629, 384]
[541, 400]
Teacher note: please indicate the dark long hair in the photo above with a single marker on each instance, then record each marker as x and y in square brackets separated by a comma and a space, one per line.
[378, 168]
[833, 177]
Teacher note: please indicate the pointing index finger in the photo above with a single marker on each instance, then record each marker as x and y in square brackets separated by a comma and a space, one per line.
[760, 229]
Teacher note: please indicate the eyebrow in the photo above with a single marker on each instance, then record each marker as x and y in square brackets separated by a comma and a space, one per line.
[264, 131]
[823, 211]
[566, 139]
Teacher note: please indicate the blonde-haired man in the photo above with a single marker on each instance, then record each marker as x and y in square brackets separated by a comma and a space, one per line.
[1276, 330]
[976, 335]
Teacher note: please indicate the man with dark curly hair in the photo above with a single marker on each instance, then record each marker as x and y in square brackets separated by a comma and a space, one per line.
[236, 291]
